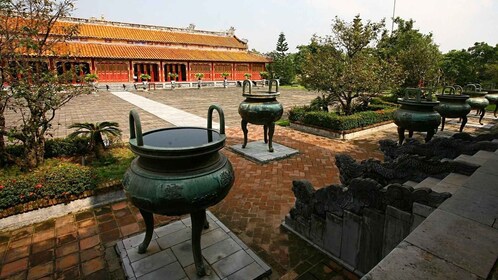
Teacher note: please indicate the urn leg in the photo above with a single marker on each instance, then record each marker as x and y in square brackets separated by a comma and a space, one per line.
[442, 123]
[430, 133]
[265, 130]
[401, 134]
[271, 131]
[496, 109]
[483, 111]
[410, 133]
[243, 124]
[198, 222]
[464, 122]
[149, 229]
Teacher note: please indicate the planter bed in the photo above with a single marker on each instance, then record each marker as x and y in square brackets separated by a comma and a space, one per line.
[342, 134]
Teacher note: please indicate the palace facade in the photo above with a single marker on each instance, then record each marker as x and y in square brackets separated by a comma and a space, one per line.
[121, 52]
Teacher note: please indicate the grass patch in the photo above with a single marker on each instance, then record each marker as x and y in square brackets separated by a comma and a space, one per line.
[113, 165]
[491, 107]
[296, 87]
[282, 122]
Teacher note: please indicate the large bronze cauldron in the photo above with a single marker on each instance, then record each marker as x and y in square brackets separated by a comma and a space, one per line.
[416, 115]
[452, 105]
[477, 100]
[178, 171]
[260, 108]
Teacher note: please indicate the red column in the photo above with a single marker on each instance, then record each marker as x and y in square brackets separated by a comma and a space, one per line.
[212, 71]
[180, 72]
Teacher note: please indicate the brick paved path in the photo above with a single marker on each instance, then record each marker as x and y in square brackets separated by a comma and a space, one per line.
[80, 245]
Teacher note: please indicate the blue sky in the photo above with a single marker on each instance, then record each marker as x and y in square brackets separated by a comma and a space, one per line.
[455, 24]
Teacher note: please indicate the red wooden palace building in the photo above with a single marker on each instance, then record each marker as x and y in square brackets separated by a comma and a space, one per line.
[121, 52]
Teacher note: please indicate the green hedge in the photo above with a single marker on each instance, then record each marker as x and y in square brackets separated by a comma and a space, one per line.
[335, 122]
[59, 181]
[57, 147]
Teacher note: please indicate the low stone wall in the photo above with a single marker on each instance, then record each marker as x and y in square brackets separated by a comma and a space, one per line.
[360, 242]
[344, 135]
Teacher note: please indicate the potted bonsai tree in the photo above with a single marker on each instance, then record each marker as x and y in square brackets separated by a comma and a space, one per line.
[264, 76]
[247, 76]
[199, 77]
[225, 81]
[173, 77]
[92, 80]
[145, 80]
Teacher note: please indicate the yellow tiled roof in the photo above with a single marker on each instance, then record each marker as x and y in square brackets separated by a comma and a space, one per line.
[151, 52]
[132, 33]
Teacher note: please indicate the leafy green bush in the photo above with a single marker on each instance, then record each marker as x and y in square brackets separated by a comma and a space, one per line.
[59, 181]
[57, 147]
[66, 147]
[336, 122]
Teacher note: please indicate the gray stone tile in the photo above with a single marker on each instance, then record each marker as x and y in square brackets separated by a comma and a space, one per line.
[174, 238]
[232, 263]
[410, 262]
[252, 271]
[153, 262]
[220, 250]
[455, 179]
[127, 267]
[221, 225]
[471, 159]
[183, 253]
[136, 240]
[460, 241]
[133, 254]
[483, 182]
[192, 273]
[169, 228]
[428, 182]
[236, 239]
[445, 187]
[211, 216]
[258, 260]
[258, 151]
[486, 155]
[490, 167]
[187, 221]
[472, 204]
[212, 237]
[173, 271]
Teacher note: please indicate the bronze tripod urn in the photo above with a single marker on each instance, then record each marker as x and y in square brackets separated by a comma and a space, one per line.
[477, 100]
[453, 105]
[178, 171]
[261, 108]
[416, 114]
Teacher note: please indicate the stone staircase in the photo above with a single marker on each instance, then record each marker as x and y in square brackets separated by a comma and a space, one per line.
[459, 239]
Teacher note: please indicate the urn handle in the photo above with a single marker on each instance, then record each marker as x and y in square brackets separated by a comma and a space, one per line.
[277, 84]
[458, 89]
[210, 118]
[244, 84]
[450, 88]
[136, 128]
[471, 87]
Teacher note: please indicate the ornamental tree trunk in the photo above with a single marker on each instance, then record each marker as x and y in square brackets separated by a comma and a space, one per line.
[34, 152]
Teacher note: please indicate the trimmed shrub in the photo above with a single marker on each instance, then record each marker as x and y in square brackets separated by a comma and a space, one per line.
[61, 181]
[71, 146]
[335, 122]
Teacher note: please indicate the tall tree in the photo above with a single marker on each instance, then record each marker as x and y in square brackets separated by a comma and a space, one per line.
[32, 34]
[282, 45]
[282, 67]
[415, 52]
[346, 64]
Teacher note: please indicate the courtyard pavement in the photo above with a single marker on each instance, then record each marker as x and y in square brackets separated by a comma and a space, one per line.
[80, 245]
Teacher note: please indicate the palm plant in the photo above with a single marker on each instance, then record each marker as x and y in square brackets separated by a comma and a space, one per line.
[96, 132]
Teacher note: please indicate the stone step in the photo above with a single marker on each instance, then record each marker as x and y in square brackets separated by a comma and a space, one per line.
[485, 155]
[410, 183]
[450, 183]
[494, 140]
[428, 182]
[471, 159]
